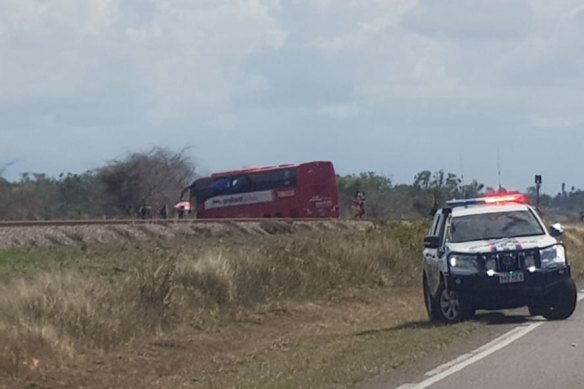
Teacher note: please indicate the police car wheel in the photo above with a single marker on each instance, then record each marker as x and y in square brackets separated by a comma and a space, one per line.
[561, 303]
[534, 310]
[453, 307]
[432, 308]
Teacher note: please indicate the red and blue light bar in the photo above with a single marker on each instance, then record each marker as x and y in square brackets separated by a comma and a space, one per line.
[494, 199]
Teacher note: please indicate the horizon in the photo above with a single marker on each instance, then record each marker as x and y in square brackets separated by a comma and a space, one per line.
[201, 171]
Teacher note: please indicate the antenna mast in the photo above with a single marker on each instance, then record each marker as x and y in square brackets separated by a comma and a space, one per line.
[499, 168]
[462, 174]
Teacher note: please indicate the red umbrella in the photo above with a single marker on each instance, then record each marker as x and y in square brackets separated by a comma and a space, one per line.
[186, 205]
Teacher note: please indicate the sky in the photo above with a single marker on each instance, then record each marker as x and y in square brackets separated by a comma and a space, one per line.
[392, 86]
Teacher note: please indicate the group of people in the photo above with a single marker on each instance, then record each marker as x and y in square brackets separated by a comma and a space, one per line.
[182, 209]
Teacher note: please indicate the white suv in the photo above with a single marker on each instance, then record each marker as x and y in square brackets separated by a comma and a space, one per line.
[495, 253]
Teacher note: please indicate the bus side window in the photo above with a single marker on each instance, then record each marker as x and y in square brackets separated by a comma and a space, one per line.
[242, 184]
[235, 186]
[266, 180]
[287, 178]
[251, 184]
[220, 186]
[261, 181]
[290, 181]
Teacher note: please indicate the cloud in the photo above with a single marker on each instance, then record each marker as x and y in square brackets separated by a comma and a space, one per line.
[109, 75]
[168, 53]
[341, 111]
[488, 20]
[492, 52]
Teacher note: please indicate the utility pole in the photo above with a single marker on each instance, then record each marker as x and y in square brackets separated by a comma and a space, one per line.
[538, 183]
[499, 168]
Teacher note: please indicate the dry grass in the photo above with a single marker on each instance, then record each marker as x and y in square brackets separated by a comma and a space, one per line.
[59, 316]
[574, 239]
[58, 304]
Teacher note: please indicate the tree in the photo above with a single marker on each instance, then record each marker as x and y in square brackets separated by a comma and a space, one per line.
[33, 197]
[153, 178]
[422, 180]
[81, 196]
[376, 188]
[417, 199]
[474, 189]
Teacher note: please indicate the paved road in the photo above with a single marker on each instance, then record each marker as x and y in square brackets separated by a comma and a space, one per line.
[537, 354]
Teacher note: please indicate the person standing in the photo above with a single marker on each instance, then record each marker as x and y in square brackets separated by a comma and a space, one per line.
[359, 204]
[163, 213]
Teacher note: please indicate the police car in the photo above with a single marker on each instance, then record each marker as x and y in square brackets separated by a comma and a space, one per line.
[495, 253]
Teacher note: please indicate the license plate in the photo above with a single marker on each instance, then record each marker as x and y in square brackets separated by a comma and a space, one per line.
[510, 278]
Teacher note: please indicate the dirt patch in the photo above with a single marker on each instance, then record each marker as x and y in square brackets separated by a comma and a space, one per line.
[50, 236]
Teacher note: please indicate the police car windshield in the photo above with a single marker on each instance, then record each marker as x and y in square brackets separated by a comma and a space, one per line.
[496, 225]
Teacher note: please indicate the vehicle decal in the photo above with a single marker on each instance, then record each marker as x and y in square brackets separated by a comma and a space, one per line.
[324, 203]
[492, 247]
[286, 193]
[265, 196]
[505, 244]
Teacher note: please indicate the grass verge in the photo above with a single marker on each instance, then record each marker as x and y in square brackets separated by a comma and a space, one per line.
[344, 357]
[57, 304]
[205, 298]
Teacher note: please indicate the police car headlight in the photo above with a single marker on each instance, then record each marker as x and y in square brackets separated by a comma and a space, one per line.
[491, 264]
[529, 263]
[553, 257]
[463, 264]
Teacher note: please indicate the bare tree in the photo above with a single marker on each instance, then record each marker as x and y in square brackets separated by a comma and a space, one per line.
[154, 178]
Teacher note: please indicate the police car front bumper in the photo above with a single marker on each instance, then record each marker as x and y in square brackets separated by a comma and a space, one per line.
[490, 292]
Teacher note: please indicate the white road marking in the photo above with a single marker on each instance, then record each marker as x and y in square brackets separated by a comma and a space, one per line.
[465, 360]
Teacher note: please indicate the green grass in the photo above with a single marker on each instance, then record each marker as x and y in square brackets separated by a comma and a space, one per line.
[30, 260]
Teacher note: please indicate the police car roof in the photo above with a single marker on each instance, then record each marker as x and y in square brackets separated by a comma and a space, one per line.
[488, 208]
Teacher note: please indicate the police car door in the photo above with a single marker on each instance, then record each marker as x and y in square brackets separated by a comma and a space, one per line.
[432, 255]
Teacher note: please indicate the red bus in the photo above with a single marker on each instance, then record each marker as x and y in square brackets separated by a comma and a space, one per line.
[306, 190]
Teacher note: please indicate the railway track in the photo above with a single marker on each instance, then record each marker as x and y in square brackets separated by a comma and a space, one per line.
[56, 223]
[97, 222]
[43, 233]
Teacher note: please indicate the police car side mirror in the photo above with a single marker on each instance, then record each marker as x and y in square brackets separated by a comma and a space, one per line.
[556, 230]
[432, 242]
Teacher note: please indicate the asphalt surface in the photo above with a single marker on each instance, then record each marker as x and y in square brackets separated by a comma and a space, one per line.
[533, 354]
